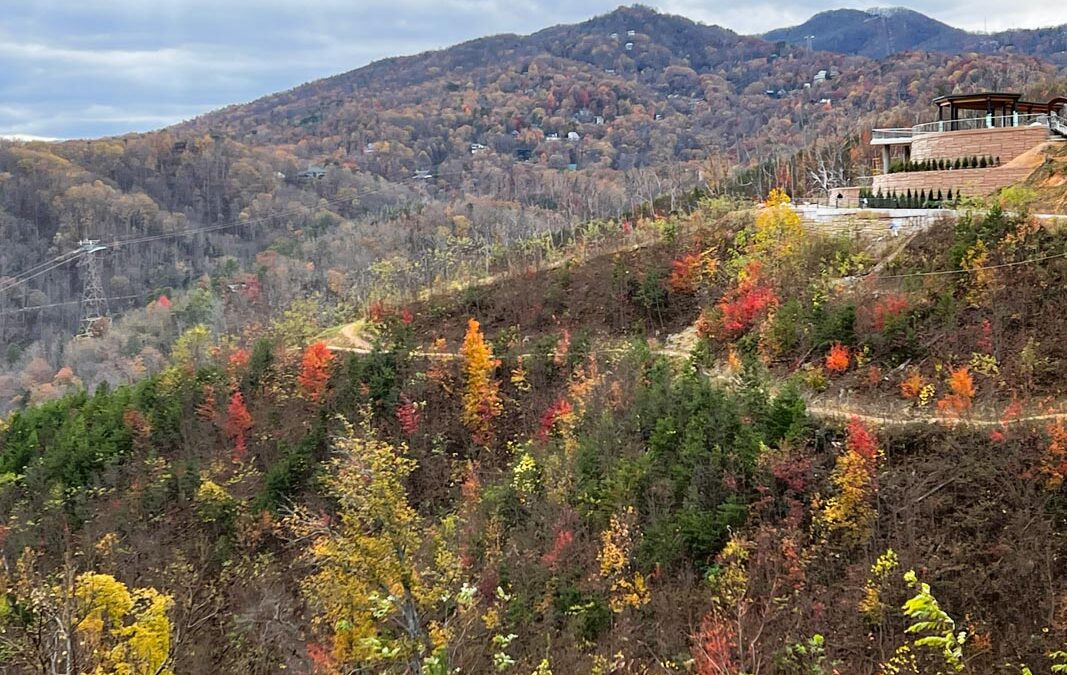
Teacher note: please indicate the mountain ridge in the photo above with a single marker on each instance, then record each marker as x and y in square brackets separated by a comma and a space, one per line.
[879, 32]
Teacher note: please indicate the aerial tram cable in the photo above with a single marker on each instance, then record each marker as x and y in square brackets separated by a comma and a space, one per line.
[42, 268]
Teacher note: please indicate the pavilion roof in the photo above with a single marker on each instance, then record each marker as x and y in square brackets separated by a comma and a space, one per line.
[978, 101]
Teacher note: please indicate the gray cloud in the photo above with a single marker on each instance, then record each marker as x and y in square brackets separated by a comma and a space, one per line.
[82, 68]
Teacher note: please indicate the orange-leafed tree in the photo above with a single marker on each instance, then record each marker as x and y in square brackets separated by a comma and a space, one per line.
[314, 370]
[838, 358]
[713, 647]
[912, 385]
[238, 423]
[961, 386]
[481, 396]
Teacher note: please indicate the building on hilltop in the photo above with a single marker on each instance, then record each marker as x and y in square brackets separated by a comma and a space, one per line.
[978, 144]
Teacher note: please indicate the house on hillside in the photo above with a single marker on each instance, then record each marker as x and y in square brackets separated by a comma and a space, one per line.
[979, 143]
[313, 172]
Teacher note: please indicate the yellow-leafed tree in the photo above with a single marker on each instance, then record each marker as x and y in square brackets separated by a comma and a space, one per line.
[89, 623]
[779, 231]
[481, 396]
[384, 581]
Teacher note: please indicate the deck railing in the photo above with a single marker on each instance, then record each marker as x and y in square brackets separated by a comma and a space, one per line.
[888, 134]
[1057, 124]
[989, 122]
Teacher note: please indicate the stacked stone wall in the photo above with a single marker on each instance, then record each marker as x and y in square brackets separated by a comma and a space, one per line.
[969, 182]
[1007, 143]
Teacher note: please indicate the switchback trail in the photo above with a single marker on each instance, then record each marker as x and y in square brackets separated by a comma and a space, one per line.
[973, 420]
[870, 412]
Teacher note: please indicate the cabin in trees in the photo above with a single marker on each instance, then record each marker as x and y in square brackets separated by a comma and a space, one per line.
[978, 144]
[313, 172]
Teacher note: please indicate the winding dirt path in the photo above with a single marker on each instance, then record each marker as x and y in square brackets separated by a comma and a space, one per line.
[869, 412]
[977, 421]
[678, 347]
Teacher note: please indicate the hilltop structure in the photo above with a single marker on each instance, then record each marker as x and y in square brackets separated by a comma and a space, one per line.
[979, 143]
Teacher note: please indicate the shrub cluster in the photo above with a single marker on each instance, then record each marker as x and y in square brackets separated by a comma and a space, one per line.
[972, 162]
[918, 199]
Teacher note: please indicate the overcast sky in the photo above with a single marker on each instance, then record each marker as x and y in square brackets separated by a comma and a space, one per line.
[87, 68]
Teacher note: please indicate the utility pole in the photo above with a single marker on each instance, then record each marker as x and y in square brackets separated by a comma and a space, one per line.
[94, 311]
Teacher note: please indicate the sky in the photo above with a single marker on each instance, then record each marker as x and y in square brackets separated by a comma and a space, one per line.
[90, 68]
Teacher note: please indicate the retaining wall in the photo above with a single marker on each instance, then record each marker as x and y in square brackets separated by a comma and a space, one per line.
[969, 182]
[1006, 143]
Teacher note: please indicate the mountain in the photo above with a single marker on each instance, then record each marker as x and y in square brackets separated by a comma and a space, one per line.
[873, 33]
[880, 32]
[426, 164]
[442, 365]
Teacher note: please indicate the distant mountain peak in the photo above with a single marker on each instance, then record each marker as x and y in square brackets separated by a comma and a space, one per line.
[890, 11]
[876, 32]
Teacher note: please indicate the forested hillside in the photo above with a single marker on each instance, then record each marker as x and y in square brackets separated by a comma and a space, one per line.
[520, 476]
[518, 357]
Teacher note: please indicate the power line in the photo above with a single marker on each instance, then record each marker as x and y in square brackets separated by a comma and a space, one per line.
[254, 221]
[60, 262]
[30, 270]
[48, 266]
[66, 303]
[1028, 261]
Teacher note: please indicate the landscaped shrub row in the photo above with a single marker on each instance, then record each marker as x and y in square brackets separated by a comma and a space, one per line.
[985, 162]
[920, 199]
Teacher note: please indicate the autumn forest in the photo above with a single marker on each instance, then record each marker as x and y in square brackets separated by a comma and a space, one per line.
[527, 356]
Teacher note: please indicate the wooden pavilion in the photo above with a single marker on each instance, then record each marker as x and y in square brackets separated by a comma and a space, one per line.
[1002, 109]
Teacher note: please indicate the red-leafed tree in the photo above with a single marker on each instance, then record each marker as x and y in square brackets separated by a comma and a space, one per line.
[315, 370]
[713, 647]
[238, 423]
[407, 414]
